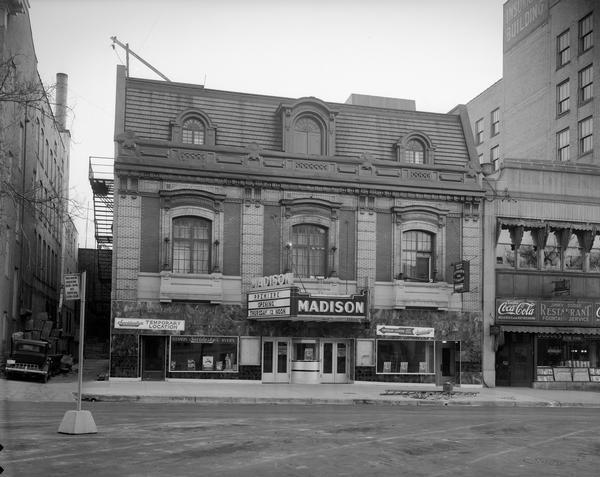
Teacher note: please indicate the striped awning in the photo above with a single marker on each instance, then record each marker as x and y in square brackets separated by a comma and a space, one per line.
[551, 330]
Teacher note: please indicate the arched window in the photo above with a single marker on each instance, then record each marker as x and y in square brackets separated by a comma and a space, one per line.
[192, 131]
[574, 254]
[417, 255]
[552, 252]
[309, 246]
[414, 152]
[307, 136]
[191, 245]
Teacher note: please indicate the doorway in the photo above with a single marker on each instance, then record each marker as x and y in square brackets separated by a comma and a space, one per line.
[334, 361]
[276, 360]
[153, 358]
[514, 360]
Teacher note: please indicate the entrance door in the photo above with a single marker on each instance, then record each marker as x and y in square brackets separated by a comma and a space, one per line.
[153, 358]
[450, 362]
[275, 360]
[334, 362]
[514, 361]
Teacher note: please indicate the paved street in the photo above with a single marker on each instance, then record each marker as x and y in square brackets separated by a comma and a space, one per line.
[137, 439]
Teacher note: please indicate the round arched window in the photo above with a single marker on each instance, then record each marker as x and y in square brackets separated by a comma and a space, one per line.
[414, 152]
[192, 131]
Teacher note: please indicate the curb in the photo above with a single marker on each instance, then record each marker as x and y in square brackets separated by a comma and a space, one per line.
[323, 401]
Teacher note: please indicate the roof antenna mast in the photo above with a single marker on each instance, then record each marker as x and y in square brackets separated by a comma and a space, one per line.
[129, 51]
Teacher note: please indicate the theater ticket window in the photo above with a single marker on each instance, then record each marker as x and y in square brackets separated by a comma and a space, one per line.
[203, 354]
[405, 357]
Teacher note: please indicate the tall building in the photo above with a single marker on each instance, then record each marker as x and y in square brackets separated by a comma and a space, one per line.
[538, 144]
[293, 240]
[34, 178]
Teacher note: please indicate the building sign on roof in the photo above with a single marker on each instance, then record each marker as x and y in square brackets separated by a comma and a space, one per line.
[521, 17]
[547, 312]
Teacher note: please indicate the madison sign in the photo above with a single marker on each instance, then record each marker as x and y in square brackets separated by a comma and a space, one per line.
[288, 304]
[547, 312]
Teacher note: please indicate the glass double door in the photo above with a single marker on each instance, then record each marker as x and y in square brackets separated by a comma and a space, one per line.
[334, 361]
[276, 360]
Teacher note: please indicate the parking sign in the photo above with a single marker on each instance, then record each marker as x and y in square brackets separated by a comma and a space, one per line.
[72, 287]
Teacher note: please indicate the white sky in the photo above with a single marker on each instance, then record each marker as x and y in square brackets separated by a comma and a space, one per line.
[438, 52]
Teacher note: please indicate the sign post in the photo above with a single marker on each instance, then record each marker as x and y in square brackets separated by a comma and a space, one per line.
[78, 422]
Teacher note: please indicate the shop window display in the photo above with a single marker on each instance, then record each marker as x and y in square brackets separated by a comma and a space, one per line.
[305, 352]
[203, 354]
[405, 357]
[568, 359]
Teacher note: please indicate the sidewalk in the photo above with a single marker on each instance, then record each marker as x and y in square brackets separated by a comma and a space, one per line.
[64, 388]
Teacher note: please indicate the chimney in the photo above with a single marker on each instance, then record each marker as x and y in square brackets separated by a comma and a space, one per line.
[60, 111]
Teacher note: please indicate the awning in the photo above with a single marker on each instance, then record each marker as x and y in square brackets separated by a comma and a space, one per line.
[553, 330]
[540, 224]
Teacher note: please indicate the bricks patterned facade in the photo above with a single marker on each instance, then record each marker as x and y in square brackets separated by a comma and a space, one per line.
[345, 226]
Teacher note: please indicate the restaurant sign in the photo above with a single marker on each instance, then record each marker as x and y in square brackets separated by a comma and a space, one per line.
[547, 312]
[149, 324]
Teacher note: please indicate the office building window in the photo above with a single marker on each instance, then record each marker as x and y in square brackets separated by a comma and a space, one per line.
[586, 84]
[505, 250]
[563, 139]
[595, 255]
[563, 50]
[309, 245]
[191, 245]
[563, 96]
[527, 254]
[586, 33]
[586, 135]
[552, 252]
[574, 254]
[495, 157]
[495, 120]
[479, 131]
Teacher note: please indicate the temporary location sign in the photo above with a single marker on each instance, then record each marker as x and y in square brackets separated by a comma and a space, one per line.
[72, 287]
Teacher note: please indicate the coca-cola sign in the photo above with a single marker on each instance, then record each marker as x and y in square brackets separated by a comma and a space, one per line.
[548, 312]
[516, 310]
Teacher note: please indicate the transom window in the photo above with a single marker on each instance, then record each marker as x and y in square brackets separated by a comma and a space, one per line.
[307, 136]
[563, 49]
[414, 152]
[192, 131]
[191, 245]
[563, 145]
[563, 95]
[417, 255]
[586, 135]
[586, 84]
[309, 246]
[586, 33]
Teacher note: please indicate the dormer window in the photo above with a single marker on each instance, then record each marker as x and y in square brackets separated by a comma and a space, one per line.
[307, 136]
[414, 152]
[415, 148]
[192, 132]
[193, 127]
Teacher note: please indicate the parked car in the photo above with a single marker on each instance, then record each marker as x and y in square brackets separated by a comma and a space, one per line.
[31, 358]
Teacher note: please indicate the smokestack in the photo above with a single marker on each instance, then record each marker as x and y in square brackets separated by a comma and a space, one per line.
[60, 111]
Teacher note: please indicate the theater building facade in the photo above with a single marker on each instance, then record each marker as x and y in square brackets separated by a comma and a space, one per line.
[293, 240]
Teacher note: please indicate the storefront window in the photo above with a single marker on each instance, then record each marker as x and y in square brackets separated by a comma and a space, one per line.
[505, 251]
[203, 354]
[574, 254]
[595, 255]
[527, 254]
[575, 352]
[305, 351]
[552, 253]
[405, 357]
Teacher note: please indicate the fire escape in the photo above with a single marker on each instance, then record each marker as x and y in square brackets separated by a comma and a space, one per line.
[101, 177]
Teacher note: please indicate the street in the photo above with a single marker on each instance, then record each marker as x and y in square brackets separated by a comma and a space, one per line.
[285, 440]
